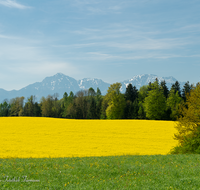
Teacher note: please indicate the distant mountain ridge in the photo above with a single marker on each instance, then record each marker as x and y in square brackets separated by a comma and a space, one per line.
[61, 83]
[144, 79]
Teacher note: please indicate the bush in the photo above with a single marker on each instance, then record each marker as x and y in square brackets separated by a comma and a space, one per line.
[188, 124]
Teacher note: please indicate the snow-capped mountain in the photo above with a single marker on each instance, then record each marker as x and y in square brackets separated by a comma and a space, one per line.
[61, 83]
[144, 79]
[58, 83]
[86, 83]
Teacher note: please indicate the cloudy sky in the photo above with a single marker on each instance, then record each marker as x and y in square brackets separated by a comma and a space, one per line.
[111, 40]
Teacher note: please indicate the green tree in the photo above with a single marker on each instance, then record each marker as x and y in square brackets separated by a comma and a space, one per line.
[46, 106]
[155, 103]
[99, 100]
[186, 90]
[104, 106]
[141, 111]
[131, 110]
[37, 110]
[17, 106]
[65, 96]
[135, 105]
[91, 92]
[92, 109]
[67, 105]
[173, 103]
[142, 94]
[56, 107]
[29, 108]
[71, 97]
[81, 104]
[131, 96]
[116, 102]
[4, 109]
[188, 125]
[64, 104]
[164, 88]
[176, 87]
[98, 94]
[131, 93]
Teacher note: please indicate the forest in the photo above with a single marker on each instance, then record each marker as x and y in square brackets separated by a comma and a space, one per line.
[153, 101]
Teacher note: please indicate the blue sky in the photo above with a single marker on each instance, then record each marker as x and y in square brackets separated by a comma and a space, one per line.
[111, 40]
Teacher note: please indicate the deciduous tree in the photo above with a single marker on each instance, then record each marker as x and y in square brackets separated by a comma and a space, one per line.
[116, 102]
[155, 103]
[173, 103]
[188, 124]
[17, 106]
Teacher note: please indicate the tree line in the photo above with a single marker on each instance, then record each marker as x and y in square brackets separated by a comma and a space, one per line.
[153, 101]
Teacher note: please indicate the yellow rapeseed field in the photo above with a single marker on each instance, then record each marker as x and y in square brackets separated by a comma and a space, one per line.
[34, 137]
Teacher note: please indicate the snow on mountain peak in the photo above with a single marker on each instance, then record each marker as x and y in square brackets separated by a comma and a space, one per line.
[61, 83]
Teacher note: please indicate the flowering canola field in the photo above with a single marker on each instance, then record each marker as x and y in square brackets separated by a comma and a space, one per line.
[38, 137]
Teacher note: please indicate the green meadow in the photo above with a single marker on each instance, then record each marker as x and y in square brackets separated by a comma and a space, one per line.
[117, 172]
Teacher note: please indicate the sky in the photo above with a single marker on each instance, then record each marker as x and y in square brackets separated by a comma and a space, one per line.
[110, 40]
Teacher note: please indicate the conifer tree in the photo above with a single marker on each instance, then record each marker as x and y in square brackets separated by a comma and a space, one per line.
[164, 88]
[131, 93]
[186, 90]
[176, 87]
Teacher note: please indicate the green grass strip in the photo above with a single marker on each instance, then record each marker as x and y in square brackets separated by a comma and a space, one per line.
[119, 172]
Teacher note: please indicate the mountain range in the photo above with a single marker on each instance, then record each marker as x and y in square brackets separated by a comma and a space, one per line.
[61, 83]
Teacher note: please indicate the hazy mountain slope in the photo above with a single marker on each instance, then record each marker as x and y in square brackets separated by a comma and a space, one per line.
[61, 83]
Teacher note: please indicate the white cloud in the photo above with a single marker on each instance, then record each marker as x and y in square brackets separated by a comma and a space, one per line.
[12, 4]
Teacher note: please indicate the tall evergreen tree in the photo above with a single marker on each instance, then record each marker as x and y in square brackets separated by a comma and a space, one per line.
[65, 96]
[186, 90]
[149, 86]
[98, 92]
[176, 87]
[4, 109]
[37, 110]
[131, 93]
[91, 92]
[99, 100]
[164, 88]
[65, 104]
[92, 109]
[143, 93]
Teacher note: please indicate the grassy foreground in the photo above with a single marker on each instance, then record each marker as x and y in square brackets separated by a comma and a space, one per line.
[119, 172]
